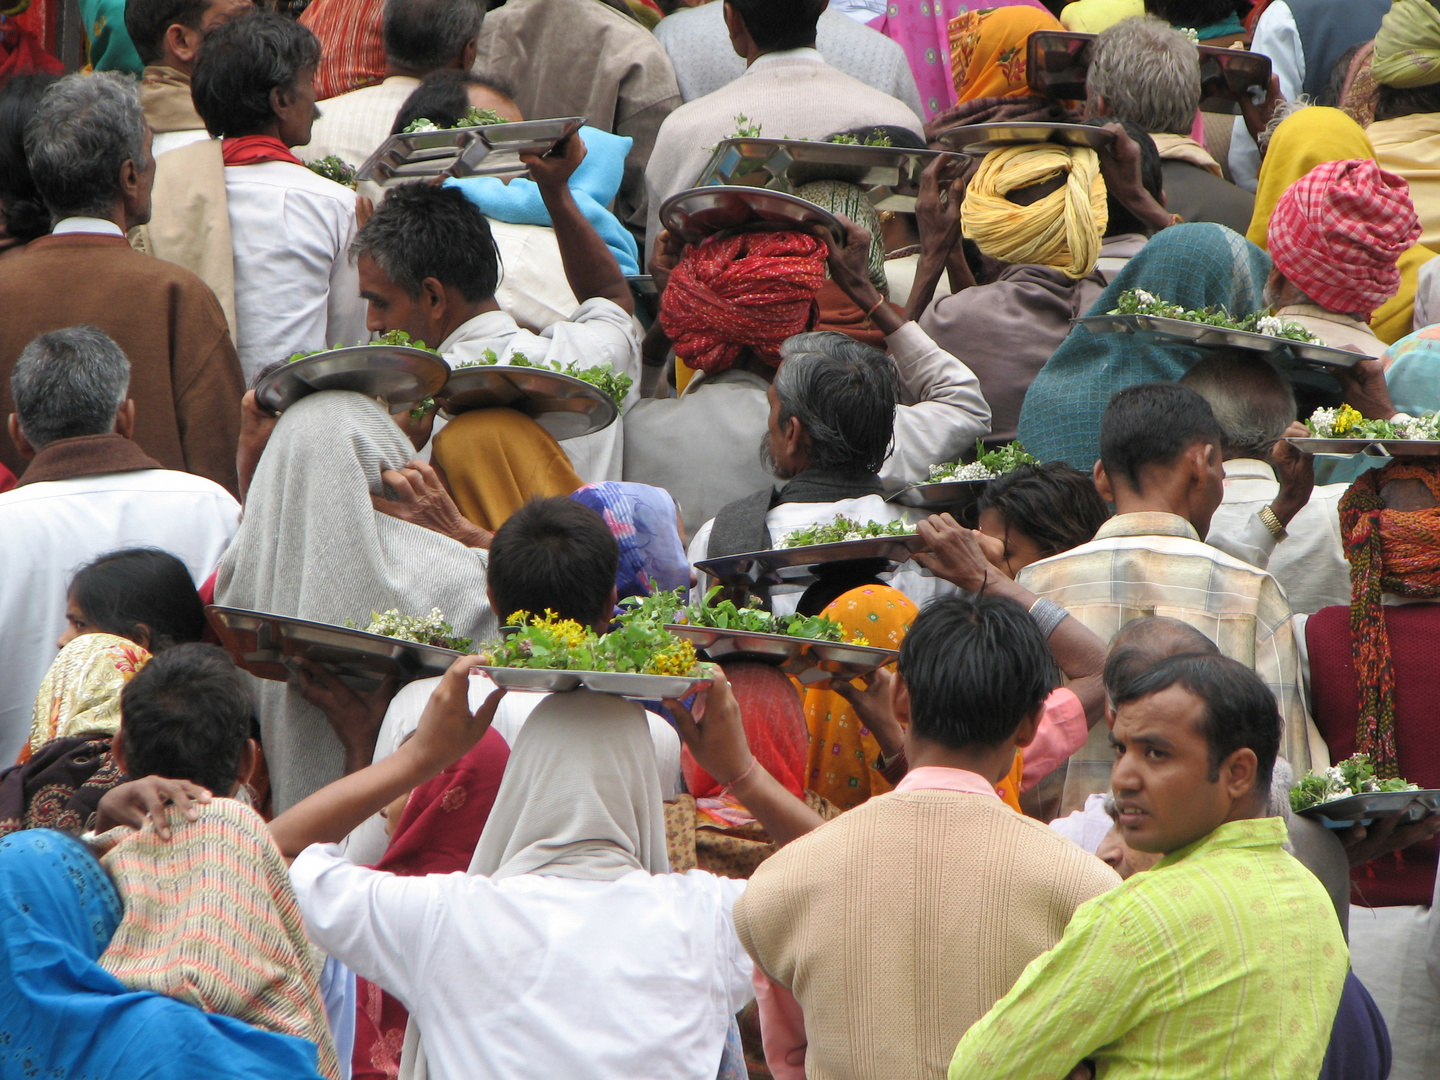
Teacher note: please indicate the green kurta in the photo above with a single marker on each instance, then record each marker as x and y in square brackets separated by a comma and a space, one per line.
[1224, 962]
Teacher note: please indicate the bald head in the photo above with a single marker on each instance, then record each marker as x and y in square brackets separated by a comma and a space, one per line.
[1250, 398]
[1142, 643]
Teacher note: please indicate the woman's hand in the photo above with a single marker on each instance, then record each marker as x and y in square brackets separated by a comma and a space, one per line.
[715, 732]
[872, 706]
[355, 717]
[421, 498]
[146, 799]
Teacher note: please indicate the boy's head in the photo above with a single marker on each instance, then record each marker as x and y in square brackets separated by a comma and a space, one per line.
[256, 76]
[186, 716]
[974, 674]
[554, 554]
[1160, 450]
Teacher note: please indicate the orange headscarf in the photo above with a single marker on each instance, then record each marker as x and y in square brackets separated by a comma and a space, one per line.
[987, 50]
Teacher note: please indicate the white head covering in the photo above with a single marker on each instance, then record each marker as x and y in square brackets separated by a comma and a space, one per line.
[580, 797]
[312, 546]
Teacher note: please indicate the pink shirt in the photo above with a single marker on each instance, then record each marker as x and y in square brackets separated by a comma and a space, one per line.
[1062, 731]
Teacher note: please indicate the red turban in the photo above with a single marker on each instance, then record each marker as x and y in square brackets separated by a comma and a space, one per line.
[750, 290]
[1338, 231]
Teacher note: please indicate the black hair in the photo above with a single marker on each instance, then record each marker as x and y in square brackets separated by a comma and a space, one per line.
[1393, 102]
[554, 554]
[1053, 504]
[26, 216]
[425, 35]
[240, 63]
[1192, 14]
[1146, 641]
[780, 24]
[975, 667]
[421, 231]
[844, 393]
[1153, 424]
[186, 715]
[1152, 178]
[146, 21]
[140, 586]
[442, 98]
[1240, 710]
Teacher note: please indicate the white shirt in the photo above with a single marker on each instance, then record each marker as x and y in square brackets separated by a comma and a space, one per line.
[353, 125]
[367, 842]
[1277, 37]
[49, 530]
[599, 331]
[533, 289]
[295, 286]
[1310, 562]
[86, 225]
[165, 141]
[536, 976]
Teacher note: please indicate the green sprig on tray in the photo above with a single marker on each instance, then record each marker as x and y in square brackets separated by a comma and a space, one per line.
[603, 376]
[335, 168]
[670, 607]
[988, 464]
[875, 138]
[554, 644]
[473, 118]
[1353, 776]
[1140, 302]
[391, 339]
[842, 529]
[1346, 422]
[429, 629]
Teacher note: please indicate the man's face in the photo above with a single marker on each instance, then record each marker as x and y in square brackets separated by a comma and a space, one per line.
[1164, 795]
[389, 307]
[780, 455]
[298, 112]
[1115, 853]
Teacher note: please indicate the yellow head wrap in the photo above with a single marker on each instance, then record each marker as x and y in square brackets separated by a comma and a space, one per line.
[1062, 230]
[1407, 48]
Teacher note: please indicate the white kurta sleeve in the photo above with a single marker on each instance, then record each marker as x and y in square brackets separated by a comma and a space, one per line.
[1250, 541]
[942, 410]
[345, 310]
[1277, 37]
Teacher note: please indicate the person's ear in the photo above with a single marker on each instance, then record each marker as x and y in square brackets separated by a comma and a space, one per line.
[1238, 773]
[117, 752]
[142, 635]
[125, 419]
[794, 434]
[468, 54]
[432, 298]
[281, 98]
[1025, 733]
[740, 39]
[249, 763]
[490, 596]
[17, 436]
[1102, 482]
[181, 42]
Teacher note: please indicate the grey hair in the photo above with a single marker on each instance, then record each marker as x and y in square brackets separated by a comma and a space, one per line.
[1149, 73]
[1252, 401]
[427, 35]
[1283, 111]
[69, 383]
[844, 394]
[83, 131]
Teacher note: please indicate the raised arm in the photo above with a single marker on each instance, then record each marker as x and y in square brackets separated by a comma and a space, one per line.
[590, 265]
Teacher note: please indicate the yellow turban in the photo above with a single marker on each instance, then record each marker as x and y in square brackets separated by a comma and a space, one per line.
[1062, 230]
[1407, 48]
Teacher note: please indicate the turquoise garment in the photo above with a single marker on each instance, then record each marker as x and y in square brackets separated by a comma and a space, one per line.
[61, 1014]
[1224, 28]
[594, 186]
[110, 48]
[1198, 265]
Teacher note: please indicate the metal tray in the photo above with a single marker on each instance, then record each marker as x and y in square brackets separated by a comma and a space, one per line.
[262, 644]
[696, 213]
[564, 406]
[473, 151]
[1314, 357]
[395, 374]
[814, 663]
[982, 138]
[1363, 809]
[1338, 447]
[940, 495]
[890, 174]
[792, 565]
[1409, 447]
[623, 684]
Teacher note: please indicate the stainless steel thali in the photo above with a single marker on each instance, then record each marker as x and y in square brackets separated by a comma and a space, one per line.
[814, 663]
[471, 151]
[564, 406]
[696, 213]
[399, 375]
[982, 138]
[793, 565]
[621, 683]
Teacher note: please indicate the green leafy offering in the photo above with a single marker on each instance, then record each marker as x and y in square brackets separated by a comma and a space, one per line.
[429, 629]
[1140, 302]
[602, 376]
[875, 138]
[392, 338]
[641, 647]
[987, 465]
[334, 168]
[670, 607]
[843, 528]
[1345, 422]
[744, 129]
[1353, 776]
[473, 118]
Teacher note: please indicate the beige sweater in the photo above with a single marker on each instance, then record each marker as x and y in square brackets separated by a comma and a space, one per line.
[790, 95]
[897, 925]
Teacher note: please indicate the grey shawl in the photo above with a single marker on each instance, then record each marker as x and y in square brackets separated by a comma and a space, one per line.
[311, 545]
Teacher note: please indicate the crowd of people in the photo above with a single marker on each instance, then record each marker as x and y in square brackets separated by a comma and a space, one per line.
[1054, 839]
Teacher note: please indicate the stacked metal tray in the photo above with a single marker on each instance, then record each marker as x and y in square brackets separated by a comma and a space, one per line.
[940, 495]
[814, 663]
[494, 150]
[398, 375]
[982, 138]
[795, 566]
[1369, 447]
[1368, 808]
[564, 406]
[1315, 357]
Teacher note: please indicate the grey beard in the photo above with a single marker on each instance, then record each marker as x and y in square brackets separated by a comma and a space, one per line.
[768, 460]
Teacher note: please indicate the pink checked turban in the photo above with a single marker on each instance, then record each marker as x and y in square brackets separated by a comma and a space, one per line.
[1338, 230]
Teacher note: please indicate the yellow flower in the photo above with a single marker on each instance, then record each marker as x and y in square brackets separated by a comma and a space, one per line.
[1347, 419]
[678, 659]
[859, 639]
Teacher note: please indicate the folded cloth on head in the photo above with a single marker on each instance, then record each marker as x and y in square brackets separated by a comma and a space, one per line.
[1338, 231]
[1062, 230]
[1407, 46]
[81, 691]
[750, 290]
[594, 186]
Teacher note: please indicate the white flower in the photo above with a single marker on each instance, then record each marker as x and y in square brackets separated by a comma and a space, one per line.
[1144, 297]
[1323, 421]
[1269, 324]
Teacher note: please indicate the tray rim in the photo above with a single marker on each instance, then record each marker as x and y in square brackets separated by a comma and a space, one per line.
[1249, 339]
[776, 559]
[1098, 138]
[1317, 812]
[899, 499]
[695, 684]
[830, 222]
[266, 392]
[606, 402]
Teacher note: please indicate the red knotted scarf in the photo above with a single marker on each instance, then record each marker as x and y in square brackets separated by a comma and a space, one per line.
[750, 290]
[253, 149]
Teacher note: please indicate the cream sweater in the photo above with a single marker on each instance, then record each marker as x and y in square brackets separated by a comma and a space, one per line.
[790, 95]
[897, 925]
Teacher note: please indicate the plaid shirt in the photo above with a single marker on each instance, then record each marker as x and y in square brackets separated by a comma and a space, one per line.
[1155, 564]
